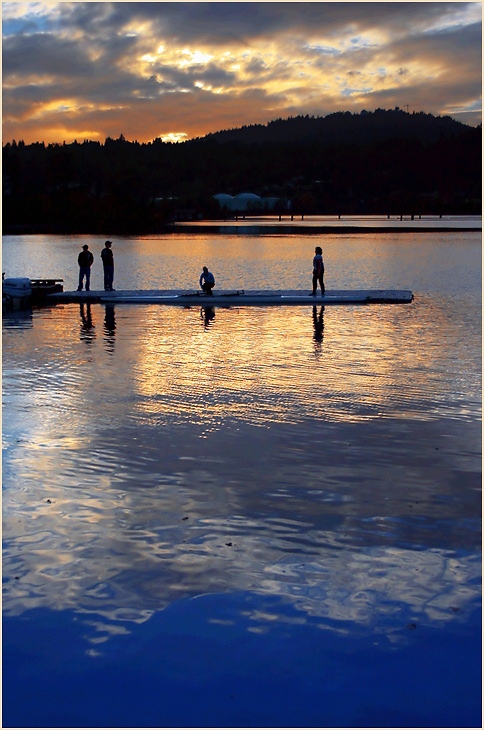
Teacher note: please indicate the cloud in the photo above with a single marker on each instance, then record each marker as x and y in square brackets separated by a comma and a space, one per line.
[154, 69]
[43, 54]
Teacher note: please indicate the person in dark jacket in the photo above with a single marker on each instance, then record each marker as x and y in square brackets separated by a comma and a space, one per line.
[85, 261]
[108, 263]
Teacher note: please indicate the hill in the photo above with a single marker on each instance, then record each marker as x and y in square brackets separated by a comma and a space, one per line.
[345, 127]
[382, 162]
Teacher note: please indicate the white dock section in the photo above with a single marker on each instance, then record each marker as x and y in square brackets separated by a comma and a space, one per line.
[237, 298]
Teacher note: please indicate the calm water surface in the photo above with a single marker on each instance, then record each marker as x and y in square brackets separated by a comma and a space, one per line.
[253, 481]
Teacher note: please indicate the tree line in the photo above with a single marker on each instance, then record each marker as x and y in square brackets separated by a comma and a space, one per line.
[382, 162]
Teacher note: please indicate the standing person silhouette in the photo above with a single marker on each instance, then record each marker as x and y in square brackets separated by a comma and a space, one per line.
[318, 271]
[85, 261]
[207, 281]
[108, 263]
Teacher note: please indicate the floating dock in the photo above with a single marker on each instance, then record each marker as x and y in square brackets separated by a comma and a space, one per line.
[237, 298]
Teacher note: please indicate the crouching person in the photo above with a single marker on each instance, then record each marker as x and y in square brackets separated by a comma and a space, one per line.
[207, 281]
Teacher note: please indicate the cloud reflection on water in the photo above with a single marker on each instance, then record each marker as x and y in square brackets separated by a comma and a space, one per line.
[163, 459]
[124, 530]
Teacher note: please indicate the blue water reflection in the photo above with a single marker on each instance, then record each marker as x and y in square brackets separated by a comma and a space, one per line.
[273, 511]
[238, 660]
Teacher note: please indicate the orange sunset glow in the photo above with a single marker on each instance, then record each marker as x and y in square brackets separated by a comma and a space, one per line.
[176, 71]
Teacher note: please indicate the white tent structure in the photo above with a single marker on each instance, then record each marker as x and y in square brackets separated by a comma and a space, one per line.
[244, 202]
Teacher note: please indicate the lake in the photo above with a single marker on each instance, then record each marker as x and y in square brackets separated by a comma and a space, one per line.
[245, 517]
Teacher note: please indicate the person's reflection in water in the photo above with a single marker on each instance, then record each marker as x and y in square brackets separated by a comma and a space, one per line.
[207, 314]
[87, 328]
[109, 327]
[318, 322]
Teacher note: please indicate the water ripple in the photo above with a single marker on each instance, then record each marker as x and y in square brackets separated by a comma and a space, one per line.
[328, 458]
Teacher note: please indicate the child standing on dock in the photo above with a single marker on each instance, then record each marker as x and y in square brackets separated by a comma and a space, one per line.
[85, 261]
[318, 271]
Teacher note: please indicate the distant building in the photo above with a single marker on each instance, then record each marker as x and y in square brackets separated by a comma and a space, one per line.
[224, 200]
[245, 202]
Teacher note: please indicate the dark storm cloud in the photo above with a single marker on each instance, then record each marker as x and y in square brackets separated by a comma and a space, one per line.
[218, 22]
[43, 53]
[211, 73]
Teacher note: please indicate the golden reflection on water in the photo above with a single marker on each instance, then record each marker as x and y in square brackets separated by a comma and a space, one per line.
[273, 364]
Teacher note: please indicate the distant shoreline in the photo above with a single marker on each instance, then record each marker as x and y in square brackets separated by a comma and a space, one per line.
[244, 226]
[311, 230]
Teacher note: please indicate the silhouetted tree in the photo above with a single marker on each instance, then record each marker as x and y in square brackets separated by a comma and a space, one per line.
[373, 162]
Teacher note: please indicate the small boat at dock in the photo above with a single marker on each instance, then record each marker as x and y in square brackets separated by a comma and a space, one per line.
[22, 292]
[16, 292]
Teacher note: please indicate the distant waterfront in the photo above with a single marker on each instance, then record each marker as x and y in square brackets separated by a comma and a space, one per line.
[286, 223]
[312, 224]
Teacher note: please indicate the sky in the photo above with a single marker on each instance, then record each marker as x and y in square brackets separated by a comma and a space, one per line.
[176, 71]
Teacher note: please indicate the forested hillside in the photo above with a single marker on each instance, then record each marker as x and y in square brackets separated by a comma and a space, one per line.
[387, 162]
[341, 127]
